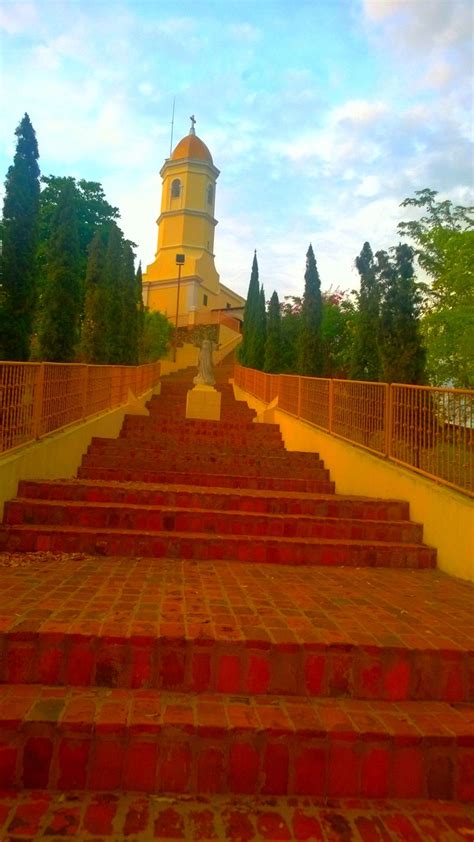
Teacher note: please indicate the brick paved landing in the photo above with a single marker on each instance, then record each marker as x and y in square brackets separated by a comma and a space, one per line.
[108, 817]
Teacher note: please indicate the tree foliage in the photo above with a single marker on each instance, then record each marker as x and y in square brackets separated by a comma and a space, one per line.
[113, 303]
[310, 353]
[444, 246]
[365, 362]
[273, 344]
[19, 248]
[61, 300]
[259, 334]
[251, 315]
[402, 353]
[94, 343]
[337, 333]
[155, 336]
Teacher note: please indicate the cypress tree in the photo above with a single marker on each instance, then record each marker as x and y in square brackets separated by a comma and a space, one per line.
[61, 302]
[273, 344]
[365, 364]
[19, 247]
[140, 305]
[94, 330]
[310, 355]
[250, 315]
[129, 326]
[259, 335]
[401, 350]
[114, 286]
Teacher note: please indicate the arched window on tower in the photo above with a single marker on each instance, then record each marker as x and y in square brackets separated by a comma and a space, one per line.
[210, 194]
[175, 188]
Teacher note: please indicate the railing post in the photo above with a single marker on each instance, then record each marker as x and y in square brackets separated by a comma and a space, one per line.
[38, 402]
[330, 404]
[299, 397]
[388, 418]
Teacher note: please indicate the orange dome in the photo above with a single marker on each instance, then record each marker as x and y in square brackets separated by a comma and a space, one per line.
[191, 146]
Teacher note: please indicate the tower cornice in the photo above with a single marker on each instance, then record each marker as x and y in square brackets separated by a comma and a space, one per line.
[183, 163]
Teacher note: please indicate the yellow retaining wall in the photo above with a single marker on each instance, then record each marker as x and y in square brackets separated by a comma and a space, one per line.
[447, 515]
[59, 455]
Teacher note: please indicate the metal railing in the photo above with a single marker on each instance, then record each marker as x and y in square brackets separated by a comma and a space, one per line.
[39, 398]
[429, 430]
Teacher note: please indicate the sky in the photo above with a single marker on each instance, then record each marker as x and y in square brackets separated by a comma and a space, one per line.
[322, 115]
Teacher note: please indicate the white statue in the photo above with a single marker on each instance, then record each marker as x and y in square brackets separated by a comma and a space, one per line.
[205, 375]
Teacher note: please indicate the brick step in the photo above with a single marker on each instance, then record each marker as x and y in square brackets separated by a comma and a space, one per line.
[203, 660]
[255, 454]
[218, 499]
[197, 439]
[103, 739]
[87, 815]
[199, 545]
[182, 462]
[201, 425]
[175, 519]
[223, 460]
[176, 477]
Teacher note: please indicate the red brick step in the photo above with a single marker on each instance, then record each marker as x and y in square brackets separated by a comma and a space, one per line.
[152, 741]
[206, 479]
[199, 545]
[219, 499]
[53, 815]
[170, 519]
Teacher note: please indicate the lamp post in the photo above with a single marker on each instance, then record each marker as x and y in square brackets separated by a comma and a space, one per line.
[180, 258]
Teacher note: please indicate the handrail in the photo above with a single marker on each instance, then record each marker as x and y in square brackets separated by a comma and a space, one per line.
[427, 429]
[39, 398]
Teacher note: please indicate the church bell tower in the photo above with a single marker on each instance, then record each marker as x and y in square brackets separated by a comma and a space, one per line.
[186, 226]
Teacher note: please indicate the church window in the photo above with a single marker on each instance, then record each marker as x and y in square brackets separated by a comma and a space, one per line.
[210, 194]
[204, 300]
[175, 188]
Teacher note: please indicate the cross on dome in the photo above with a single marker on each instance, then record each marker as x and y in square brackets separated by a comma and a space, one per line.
[193, 120]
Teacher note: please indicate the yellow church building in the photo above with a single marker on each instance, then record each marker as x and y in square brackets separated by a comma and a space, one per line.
[183, 278]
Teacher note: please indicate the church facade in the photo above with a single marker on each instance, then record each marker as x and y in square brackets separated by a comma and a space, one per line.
[183, 277]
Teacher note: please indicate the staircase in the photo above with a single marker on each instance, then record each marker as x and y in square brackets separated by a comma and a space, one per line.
[209, 617]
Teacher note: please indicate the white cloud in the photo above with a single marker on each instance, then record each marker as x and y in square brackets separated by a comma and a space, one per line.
[369, 186]
[245, 32]
[18, 17]
[359, 112]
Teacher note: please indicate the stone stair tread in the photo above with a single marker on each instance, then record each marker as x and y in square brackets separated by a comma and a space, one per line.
[199, 536]
[224, 490]
[150, 710]
[110, 816]
[195, 510]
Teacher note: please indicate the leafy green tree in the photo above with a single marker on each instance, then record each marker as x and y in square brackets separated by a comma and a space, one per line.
[290, 328]
[19, 247]
[310, 353]
[94, 344]
[114, 286]
[251, 310]
[366, 364]
[129, 328]
[155, 336]
[61, 302]
[259, 334]
[92, 212]
[401, 350]
[444, 246]
[273, 344]
[337, 333]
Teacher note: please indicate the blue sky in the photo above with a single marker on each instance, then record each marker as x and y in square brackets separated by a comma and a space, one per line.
[322, 115]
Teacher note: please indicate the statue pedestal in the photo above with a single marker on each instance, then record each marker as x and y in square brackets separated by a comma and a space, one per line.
[203, 402]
